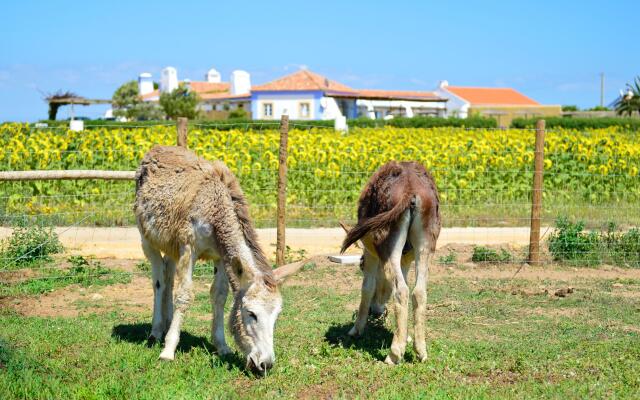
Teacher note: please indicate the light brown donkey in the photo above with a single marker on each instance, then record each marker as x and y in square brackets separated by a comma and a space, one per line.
[398, 222]
[188, 208]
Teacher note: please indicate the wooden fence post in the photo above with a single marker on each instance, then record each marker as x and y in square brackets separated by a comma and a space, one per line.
[182, 129]
[282, 190]
[536, 195]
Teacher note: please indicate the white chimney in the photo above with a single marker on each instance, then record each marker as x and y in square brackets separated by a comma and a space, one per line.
[443, 84]
[145, 84]
[213, 76]
[240, 82]
[168, 80]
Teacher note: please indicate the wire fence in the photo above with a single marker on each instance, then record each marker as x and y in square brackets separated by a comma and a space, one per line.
[484, 178]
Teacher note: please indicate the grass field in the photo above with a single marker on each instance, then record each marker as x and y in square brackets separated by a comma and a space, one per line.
[489, 336]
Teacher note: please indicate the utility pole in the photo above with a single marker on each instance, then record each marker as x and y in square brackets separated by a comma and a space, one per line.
[602, 89]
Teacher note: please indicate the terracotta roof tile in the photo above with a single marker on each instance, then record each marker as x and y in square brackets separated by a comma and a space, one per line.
[491, 96]
[151, 95]
[206, 91]
[303, 80]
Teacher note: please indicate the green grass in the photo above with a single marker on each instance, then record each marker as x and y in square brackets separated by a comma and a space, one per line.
[48, 277]
[483, 342]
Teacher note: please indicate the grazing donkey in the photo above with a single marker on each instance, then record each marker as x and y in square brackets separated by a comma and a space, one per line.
[188, 208]
[398, 222]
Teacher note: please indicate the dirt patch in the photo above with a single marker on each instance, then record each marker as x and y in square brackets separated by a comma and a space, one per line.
[556, 312]
[74, 300]
[320, 271]
[137, 295]
[16, 276]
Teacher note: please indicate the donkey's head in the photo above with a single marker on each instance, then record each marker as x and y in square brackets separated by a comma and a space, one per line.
[256, 307]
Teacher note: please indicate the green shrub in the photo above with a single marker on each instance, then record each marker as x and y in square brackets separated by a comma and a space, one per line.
[571, 244]
[240, 120]
[238, 113]
[621, 248]
[487, 255]
[88, 272]
[449, 259]
[578, 123]
[28, 245]
[424, 122]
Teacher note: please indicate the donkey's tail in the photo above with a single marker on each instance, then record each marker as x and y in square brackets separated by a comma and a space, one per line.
[377, 222]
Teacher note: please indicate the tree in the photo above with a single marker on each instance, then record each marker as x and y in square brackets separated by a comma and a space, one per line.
[127, 103]
[180, 103]
[629, 102]
[238, 113]
[54, 106]
[570, 107]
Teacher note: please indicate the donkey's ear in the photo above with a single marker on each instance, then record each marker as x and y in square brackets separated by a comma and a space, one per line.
[283, 272]
[242, 274]
[346, 229]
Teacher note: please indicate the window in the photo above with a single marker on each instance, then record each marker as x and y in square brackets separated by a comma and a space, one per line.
[267, 110]
[305, 110]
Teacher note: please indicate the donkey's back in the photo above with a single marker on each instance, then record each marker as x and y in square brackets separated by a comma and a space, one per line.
[394, 188]
[176, 191]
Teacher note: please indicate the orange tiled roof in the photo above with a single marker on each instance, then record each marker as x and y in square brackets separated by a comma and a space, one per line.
[150, 95]
[491, 96]
[301, 81]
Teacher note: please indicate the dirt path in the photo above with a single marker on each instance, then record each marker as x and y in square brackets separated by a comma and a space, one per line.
[124, 243]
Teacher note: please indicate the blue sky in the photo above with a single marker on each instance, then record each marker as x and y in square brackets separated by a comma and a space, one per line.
[552, 51]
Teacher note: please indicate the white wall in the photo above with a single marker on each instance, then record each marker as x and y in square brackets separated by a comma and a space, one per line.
[330, 108]
[289, 102]
[456, 106]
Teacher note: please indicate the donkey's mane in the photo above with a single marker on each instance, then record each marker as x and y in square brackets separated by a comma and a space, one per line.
[241, 208]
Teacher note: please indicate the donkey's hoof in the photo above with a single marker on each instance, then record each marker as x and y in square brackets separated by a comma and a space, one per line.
[223, 351]
[392, 360]
[353, 332]
[153, 339]
[422, 357]
[166, 356]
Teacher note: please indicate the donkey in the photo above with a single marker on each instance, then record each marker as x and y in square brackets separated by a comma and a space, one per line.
[398, 223]
[187, 209]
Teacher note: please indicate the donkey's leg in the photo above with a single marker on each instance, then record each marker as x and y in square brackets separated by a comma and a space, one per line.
[395, 245]
[159, 288]
[167, 300]
[184, 295]
[419, 297]
[369, 270]
[218, 293]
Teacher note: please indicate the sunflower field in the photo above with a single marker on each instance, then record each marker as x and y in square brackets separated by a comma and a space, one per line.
[484, 175]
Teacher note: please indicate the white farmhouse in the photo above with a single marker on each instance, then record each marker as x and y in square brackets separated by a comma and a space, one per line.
[308, 95]
[301, 95]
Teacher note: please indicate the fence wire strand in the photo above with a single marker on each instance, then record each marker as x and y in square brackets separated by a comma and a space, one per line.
[484, 178]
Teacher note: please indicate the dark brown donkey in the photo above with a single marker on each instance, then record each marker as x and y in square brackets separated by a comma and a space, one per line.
[398, 222]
